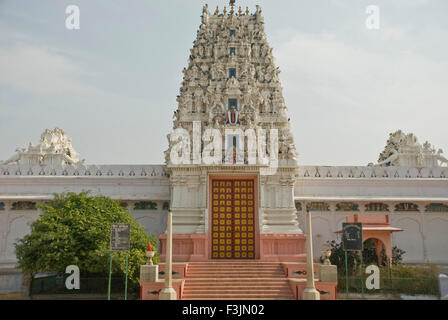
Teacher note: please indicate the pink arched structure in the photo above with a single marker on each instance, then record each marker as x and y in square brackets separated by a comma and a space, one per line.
[376, 227]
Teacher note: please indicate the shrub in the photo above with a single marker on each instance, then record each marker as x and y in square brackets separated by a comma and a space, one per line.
[74, 229]
[353, 260]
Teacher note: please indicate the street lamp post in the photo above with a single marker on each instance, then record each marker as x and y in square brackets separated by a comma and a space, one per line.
[168, 293]
[310, 292]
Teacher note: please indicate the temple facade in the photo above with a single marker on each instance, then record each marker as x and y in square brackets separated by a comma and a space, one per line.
[231, 158]
[232, 176]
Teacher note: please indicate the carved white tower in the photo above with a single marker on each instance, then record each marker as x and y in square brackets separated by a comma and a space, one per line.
[231, 108]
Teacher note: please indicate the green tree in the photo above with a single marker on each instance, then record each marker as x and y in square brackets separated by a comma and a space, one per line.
[74, 229]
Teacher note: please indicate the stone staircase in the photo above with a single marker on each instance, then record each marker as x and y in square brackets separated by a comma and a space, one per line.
[236, 280]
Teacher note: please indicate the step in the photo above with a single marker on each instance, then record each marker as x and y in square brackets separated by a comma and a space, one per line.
[244, 264]
[217, 276]
[236, 271]
[236, 280]
[213, 281]
[238, 298]
[235, 276]
[241, 296]
[235, 289]
[230, 279]
[274, 264]
[235, 285]
[240, 280]
[226, 286]
[207, 282]
[238, 291]
[234, 267]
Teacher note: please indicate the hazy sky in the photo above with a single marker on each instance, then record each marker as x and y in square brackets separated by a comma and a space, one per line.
[112, 84]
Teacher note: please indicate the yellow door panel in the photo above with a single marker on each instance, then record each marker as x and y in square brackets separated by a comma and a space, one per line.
[233, 222]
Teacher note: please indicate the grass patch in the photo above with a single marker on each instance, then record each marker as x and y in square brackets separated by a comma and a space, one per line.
[400, 279]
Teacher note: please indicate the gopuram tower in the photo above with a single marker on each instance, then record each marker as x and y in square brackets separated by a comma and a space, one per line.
[231, 159]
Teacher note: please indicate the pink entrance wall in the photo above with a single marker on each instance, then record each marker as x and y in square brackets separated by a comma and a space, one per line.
[186, 247]
[282, 247]
[268, 247]
[272, 247]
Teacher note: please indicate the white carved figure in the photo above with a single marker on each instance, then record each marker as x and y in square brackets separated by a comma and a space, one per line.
[215, 52]
[404, 150]
[255, 51]
[201, 51]
[264, 51]
[232, 83]
[205, 14]
[15, 158]
[441, 158]
[55, 147]
[209, 51]
[195, 71]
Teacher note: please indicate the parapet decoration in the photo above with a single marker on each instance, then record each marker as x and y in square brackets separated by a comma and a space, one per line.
[55, 148]
[404, 150]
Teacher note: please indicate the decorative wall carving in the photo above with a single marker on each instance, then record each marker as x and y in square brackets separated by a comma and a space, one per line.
[24, 205]
[145, 205]
[347, 206]
[377, 206]
[93, 171]
[436, 207]
[318, 206]
[372, 172]
[406, 206]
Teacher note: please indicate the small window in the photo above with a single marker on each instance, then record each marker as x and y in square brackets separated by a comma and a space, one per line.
[232, 32]
[233, 103]
[232, 50]
[232, 72]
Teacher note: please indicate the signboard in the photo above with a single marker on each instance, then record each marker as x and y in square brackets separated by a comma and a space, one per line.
[352, 236]
[120, 236]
